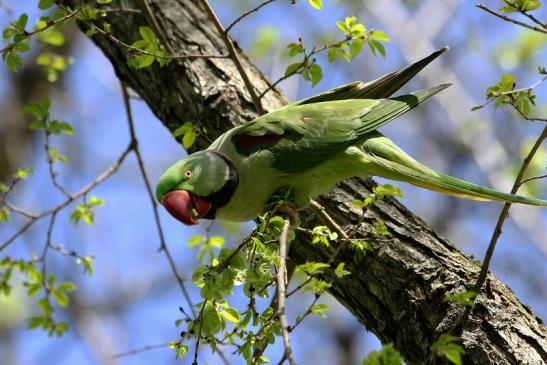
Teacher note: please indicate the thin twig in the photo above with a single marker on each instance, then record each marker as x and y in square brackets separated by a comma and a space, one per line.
[505, 211]
[511, 92]
[511, 20]
[333, 226]
[19, 210]
[200, 319]
[142, 349]
[224, 263]
[143, 4]
[247, 13]
[282, 291]
[52, 172]
[99, 179]
[305, 60]
[121, 10]
[526, 14]
[163, 244]
[306, 313]
[532, 178]
[234, 56]
[26, 34]
[142, 51]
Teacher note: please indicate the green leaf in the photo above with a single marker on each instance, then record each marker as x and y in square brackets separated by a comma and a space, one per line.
[61, 328]
[45, 306]
[189, 139]
[312, 268]
[50, 35]
[356, 47]
[295, 49]
[38, 108]
[292, 68]
[379, 229]
[317, 4]
[95, 202]
[332, 55]
[521, 5]
[45, 4]
[51, 280]
[320, 309]
[13, 61]
[67, 286]
[387, 355]
[141, 61]
[55, 156]
[88, 12]
[180, 348]
[87, 263]
[379, 35]
[340, 270]
[343, 27]
[61, 298]
[22, 21]
[236, 262]
[148, 34]
[4, 214]
[36, 321]
[317, 286]
[380, 47]
[211, 322]
[195, 240]
[57, 127]
[388, 189]
[216, 241]
[231, 314]
[465, 298]
[22, 174]
[183, 129]
[316, 74]
[104, 2]
[448, 346]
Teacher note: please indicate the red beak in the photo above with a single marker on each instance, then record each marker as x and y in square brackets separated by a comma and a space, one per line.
[185, 207]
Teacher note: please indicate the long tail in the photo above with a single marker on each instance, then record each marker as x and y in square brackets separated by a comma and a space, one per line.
[385, 159]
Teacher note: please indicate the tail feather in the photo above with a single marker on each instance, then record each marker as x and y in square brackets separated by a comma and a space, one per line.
[450, 185]
[383, 158]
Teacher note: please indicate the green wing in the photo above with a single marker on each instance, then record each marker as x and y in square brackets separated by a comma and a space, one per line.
[382, 87]
[302, 136]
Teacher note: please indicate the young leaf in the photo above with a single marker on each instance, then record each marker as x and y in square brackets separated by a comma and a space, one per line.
[466, 298]
[387, 355]
[293, 68]
[340, 270]
[45, 4]
[317, 4]
[320, 309]
[448, 346]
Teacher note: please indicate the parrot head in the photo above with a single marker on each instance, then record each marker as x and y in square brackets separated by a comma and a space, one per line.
[196, 186]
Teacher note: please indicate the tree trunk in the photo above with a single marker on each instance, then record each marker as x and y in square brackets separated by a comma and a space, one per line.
[397, 289]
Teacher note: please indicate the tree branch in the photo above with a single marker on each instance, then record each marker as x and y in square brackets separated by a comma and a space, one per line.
[281, 292]
[511, 20]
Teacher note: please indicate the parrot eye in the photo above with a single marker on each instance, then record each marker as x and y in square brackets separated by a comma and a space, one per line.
[188, 174]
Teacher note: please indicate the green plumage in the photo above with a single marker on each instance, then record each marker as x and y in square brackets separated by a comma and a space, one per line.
[314, 143]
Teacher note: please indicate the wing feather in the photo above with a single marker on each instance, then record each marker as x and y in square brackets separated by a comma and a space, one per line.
[304, 136]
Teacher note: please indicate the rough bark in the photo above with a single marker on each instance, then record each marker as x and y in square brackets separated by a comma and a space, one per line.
[397, 290]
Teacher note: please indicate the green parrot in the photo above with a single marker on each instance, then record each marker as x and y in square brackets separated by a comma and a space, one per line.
[309, 146]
